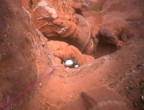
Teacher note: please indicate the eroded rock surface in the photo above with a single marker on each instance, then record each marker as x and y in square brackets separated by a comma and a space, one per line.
[57, 20]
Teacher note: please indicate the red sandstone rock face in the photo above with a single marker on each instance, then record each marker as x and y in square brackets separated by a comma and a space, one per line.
[115, 21]
[63, 50]
[107, 80]
[57, 19]
[52, 20]
[18, 56]
[109, 100]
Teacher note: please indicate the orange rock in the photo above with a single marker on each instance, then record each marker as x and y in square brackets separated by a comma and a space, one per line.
[63, 50]
[59, 22]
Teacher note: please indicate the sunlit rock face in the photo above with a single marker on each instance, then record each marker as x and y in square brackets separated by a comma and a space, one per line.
[63, 50]
[58, 20]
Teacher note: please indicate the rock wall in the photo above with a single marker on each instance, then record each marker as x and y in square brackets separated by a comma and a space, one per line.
[19, 43]
[58, 20]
